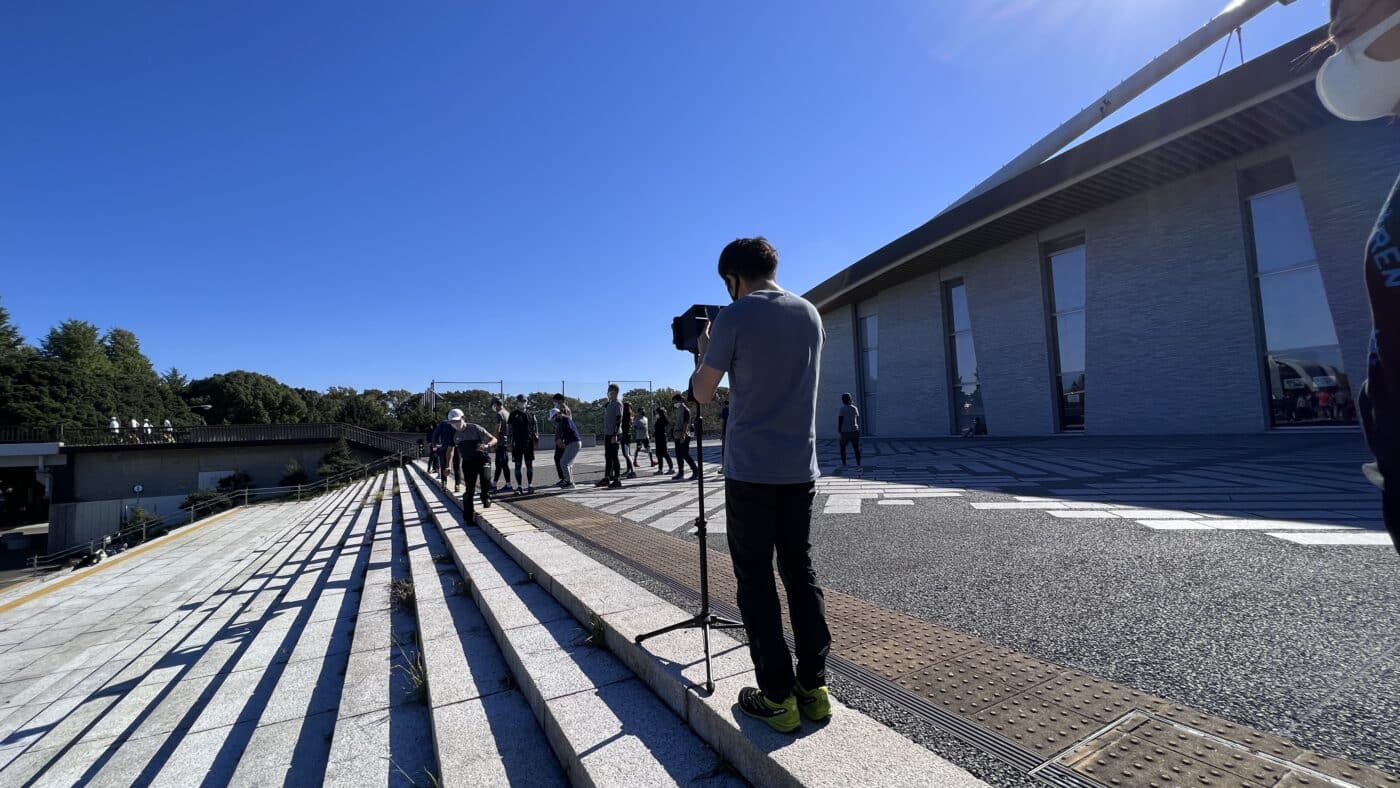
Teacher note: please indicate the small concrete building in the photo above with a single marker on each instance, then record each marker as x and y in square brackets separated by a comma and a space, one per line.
[1197, 269]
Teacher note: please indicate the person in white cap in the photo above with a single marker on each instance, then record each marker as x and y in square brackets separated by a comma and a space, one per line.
[472, 450]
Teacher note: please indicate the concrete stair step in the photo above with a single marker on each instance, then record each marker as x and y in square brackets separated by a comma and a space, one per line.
[849, 749]
[604, 725]
[377, 720]
[483, 729]
[147, 692]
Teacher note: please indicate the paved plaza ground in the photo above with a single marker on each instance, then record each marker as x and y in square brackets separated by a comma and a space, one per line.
[1246, 576]
[1243, 578]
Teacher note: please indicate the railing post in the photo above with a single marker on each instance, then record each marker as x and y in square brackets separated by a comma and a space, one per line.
[298, 492]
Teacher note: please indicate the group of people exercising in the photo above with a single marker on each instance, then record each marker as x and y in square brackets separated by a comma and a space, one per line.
[465, 448]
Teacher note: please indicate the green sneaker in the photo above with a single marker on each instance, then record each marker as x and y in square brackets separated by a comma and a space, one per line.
[781, 717]
[814, 703]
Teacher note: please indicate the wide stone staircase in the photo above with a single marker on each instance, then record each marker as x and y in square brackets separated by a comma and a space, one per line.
[372, 637]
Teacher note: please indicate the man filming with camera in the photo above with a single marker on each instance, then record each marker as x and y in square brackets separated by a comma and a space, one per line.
[769, 342]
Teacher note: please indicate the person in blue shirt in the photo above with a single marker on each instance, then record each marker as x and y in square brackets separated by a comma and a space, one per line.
[444, 436]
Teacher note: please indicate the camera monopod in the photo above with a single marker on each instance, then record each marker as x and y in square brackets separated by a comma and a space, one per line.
[704, 620]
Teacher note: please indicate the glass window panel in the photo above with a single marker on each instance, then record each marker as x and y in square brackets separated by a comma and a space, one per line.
[962, 319]
[1069, 330]
[1067, 277]
[1072, 403]
[966, 358]
[869, 332]
[971, 416]
[872, 369]
[1296, 313]
[1308, 387]
[1281, 235]
[867, 415]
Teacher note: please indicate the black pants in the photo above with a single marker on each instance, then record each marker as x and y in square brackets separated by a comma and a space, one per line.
[476, 473]
[454, 465]
[852, 438]
[683, 457]
[502, 462]
[612, 470]
[558, 464]
[662, 456]
[777, 518]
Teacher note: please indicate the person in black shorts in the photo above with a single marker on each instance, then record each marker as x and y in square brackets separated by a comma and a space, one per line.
[502, 446]
[641, 433]
[524, 431]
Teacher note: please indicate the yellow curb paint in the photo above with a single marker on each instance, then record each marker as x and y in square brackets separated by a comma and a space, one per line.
[180, 534]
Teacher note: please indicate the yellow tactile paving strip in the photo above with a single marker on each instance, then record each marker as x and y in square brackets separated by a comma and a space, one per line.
[1106, 733]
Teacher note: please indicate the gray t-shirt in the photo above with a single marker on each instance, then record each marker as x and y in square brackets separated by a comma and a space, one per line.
[770, 344]
[612, 417]
[849, 419]
[469, 441]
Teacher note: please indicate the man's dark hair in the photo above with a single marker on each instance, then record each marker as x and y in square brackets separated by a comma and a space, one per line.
[845, 399]
[614, 387]
[750, 259]
[678, 398]
[559, 397]
[495, 402]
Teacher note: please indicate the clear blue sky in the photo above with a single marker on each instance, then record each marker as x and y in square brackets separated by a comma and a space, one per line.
[322, 191]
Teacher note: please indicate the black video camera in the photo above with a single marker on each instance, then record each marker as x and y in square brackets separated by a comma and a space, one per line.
[686, 329]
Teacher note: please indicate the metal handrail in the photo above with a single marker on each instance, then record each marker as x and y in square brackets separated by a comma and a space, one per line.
[215, 433]
[185, 516]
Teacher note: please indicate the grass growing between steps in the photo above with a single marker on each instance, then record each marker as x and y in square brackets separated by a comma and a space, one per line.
[402, 595]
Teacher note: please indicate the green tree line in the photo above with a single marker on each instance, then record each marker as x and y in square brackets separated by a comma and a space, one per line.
[80, 376]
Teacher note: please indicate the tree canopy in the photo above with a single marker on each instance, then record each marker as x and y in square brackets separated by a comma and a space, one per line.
[80, 376]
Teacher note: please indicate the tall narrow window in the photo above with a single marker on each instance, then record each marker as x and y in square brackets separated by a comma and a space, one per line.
[1067, 306]
[869, 371]
[969, 418]
[1307, 383]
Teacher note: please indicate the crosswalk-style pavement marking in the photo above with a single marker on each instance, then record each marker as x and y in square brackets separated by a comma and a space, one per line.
[1321, 507]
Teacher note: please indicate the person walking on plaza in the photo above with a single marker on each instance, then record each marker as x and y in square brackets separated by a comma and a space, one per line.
[169, 431]
[848, 427]
[661, 430]
[473, 445]
[502, 456]
[642, 436]
[680, 433]
[1361, 82]
[115, 427]
[567, 441]
[769, 343]
[524, 432]
[625, 438]
[612, 436]
[554, 411]
[443, 438]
